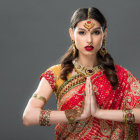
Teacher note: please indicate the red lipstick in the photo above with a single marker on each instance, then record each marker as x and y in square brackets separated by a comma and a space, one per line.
[89, 48]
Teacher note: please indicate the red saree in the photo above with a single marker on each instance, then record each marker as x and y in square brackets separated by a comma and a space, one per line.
[70, 94]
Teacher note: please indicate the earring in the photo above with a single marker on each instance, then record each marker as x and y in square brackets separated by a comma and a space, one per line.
[103, 50]
[74, 48]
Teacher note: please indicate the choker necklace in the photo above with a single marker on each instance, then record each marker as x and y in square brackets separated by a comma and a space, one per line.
[86, 71]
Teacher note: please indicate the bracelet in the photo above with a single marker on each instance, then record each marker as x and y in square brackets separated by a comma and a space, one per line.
[128, 116]
[72, 114]
[40, 97]
[123, 115]
[44, 117]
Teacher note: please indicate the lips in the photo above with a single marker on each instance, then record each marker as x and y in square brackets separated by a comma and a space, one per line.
[89, 48]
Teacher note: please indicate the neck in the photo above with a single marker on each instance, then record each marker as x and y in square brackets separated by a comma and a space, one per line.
[87, 61]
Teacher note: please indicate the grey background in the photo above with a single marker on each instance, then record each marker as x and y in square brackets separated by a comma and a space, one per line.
[34, 35]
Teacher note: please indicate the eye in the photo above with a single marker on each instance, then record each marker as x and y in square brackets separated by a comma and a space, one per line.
[96, 32]
[81, 32]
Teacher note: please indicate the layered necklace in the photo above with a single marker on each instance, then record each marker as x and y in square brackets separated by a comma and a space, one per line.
[86, 71]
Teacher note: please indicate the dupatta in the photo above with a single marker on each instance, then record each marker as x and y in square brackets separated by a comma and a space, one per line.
[70, 94]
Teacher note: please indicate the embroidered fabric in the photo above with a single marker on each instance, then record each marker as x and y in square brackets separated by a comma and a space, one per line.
[70, 95]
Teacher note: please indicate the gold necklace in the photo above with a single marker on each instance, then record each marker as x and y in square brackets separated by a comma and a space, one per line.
[86, 71]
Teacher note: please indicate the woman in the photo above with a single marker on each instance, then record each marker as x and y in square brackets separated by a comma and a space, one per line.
[96, 99]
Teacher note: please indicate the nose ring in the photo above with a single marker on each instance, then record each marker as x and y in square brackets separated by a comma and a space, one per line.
[90, 43]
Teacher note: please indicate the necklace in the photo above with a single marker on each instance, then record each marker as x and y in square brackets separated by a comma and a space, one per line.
[86, 71]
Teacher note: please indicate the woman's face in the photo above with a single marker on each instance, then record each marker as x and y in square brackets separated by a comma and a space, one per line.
[84, 37]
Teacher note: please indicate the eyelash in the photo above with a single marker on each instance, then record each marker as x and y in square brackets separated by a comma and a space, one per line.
[82, 32]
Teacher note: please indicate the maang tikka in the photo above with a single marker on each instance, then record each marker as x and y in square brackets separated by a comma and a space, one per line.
[89, 24]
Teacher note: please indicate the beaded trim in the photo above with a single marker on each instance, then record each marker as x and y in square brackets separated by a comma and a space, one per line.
[129, 117]
[44, 117]
[79, 80]
[50, 77]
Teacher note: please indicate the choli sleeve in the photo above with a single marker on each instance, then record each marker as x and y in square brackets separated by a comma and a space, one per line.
[51, 76]
[132, 91]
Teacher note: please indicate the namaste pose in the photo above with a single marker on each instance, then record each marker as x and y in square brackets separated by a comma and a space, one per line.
[96, 98]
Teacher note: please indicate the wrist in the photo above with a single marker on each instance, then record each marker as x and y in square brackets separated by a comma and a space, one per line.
[98, 113]
[81, 117]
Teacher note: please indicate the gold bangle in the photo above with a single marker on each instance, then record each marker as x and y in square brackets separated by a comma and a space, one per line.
[40, 97]
[123, 115]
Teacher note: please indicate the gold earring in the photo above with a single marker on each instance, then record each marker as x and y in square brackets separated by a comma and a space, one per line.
[74, 48]
[103, 51]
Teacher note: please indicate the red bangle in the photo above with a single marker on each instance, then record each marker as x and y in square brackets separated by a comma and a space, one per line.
[44, 117]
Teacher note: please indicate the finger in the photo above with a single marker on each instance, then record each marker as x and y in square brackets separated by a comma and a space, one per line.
[90, 81]
[88, 93]
[87, 86]
[87, 81]
[91, 89]
[87, 101]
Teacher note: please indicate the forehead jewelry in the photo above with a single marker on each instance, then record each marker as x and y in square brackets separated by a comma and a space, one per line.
[89, 23]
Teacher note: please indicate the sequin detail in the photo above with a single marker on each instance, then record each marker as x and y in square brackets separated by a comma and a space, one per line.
[49, 76]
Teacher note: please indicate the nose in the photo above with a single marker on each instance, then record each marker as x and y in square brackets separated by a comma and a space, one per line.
[89, 39]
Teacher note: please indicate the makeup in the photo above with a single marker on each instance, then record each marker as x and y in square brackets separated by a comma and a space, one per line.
[89, 48]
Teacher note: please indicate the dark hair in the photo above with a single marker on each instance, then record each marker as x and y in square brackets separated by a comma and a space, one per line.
[106, 61]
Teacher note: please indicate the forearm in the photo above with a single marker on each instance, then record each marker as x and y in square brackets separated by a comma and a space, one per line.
[32, 117]
[59, 116]
[116, 115]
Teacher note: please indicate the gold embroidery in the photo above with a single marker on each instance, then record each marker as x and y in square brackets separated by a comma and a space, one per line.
[105, 128]
[128, 100]
[117, 131]
[73, 83]
[134, 85]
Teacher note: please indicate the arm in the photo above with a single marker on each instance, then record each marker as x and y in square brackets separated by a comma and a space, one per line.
[34, 106]
[116, 115]
[113, 115]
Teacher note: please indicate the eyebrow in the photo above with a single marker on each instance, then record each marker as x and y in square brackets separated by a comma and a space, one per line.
[92, 29]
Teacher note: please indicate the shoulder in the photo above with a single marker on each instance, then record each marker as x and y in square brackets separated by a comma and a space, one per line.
[52, 71]
[51, 74]
[120, 70]
[56, 69]
[123, 73]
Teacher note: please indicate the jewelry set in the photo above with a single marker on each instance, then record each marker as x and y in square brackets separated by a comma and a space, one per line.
[72, 114]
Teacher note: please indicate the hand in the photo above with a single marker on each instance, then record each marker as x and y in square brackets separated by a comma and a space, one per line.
[94, 107]
[87, 102]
